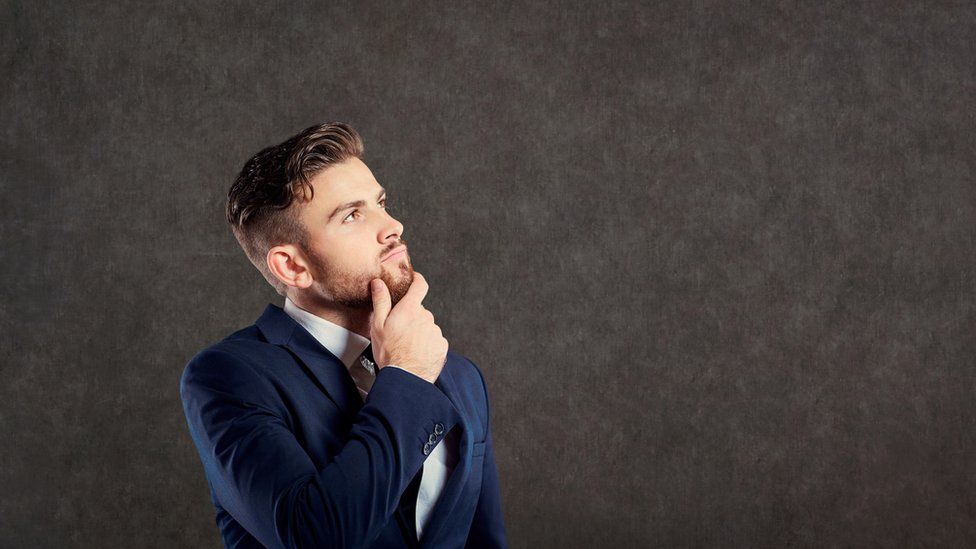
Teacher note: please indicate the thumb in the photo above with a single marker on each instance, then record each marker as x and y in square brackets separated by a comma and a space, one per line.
[381, 302]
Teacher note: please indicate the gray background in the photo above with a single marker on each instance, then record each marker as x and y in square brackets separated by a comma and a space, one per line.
[716, 260]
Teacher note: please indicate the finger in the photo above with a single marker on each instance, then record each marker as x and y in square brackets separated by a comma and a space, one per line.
[381, 302]
[418, 289]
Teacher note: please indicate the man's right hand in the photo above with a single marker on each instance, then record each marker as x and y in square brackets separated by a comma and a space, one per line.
[406, 336]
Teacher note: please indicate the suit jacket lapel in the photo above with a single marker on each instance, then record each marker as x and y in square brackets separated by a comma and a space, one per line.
[280, 329]
[459, 476]
[406, 510]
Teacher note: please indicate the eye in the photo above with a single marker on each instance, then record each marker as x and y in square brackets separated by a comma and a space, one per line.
[354, 212]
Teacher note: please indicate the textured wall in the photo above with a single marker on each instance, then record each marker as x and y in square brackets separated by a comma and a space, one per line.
[716, 261]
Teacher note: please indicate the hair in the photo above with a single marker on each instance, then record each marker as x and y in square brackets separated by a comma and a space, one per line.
[259, 203]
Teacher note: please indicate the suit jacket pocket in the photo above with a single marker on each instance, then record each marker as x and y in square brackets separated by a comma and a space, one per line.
[479, 449]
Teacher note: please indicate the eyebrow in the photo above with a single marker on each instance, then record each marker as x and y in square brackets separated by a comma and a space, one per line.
[354, 204]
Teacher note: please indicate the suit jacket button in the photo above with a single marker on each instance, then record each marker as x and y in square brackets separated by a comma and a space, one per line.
[438, 429]
[426, 449]
[431, 439]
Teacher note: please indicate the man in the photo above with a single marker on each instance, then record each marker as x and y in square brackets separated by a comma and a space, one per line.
[340, 419]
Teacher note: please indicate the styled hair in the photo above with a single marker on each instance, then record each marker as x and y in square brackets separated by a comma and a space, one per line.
[260, 202]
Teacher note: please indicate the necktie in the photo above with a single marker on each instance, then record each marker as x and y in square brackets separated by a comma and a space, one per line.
[363, 372]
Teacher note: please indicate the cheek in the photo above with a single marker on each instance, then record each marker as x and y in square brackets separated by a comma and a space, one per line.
[329, 255]
[352, 255]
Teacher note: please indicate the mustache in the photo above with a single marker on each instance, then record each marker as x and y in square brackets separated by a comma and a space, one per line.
[397, 244]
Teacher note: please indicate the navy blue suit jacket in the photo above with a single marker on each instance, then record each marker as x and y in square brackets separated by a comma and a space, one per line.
[294, 457]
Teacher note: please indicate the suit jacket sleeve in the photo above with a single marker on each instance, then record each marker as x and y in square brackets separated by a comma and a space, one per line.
[268, 483]
[488, 527]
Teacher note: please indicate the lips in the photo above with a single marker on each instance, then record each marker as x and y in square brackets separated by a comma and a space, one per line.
[395, 253]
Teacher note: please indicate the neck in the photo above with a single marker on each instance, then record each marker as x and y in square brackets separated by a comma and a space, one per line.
[354, 320]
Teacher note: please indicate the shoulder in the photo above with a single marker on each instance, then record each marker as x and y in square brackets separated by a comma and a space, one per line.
[472, 389]
[464, 370]
[470, 380]
[236, 365]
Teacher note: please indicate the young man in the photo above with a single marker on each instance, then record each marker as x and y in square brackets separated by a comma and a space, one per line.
[340, 419]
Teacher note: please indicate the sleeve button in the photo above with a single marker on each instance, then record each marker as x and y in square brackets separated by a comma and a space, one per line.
[431, 439]
[426, 449]
[438, 428]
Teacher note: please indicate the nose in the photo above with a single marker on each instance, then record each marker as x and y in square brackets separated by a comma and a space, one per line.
[391, 230]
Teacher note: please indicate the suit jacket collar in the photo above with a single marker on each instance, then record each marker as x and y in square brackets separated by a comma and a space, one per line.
[342, 342]
[282, 330]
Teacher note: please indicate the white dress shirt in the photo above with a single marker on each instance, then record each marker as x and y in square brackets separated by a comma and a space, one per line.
[347, 346]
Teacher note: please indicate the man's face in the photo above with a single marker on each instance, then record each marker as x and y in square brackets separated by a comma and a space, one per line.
[349, 235]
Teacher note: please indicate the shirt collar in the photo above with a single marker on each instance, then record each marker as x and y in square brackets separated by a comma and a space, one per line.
[345, 344]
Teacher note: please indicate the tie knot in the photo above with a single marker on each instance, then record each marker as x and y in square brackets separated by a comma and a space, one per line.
[364, 373]
[366, 360]
[368, 353]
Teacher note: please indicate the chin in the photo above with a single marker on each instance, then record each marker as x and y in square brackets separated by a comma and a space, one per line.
[402, 274]
[398, 278]
[400, 265]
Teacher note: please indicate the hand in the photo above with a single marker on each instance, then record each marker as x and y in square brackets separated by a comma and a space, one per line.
[406, 336]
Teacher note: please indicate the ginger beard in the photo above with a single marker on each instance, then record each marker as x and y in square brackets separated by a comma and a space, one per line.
[351, 289]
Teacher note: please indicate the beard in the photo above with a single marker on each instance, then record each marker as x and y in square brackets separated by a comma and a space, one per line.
[351, 289]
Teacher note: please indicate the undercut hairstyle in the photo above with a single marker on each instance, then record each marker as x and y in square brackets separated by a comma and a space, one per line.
[262, 204]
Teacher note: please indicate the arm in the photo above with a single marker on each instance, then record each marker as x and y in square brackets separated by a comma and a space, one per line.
[267, 481]
[488, 527]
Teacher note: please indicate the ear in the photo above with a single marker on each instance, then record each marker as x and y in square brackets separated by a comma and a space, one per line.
[288, 264]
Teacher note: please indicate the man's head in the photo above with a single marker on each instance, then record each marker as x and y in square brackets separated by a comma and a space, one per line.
[312, 218]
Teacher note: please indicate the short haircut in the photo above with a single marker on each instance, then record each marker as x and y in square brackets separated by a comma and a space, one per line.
[260, 202]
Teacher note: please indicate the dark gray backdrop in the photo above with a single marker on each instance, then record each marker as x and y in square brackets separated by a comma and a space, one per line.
[715, 260]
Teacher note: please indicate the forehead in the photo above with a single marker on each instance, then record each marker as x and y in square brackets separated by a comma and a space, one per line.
[343, 182]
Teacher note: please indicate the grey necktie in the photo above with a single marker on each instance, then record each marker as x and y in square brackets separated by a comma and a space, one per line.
[363, 372]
